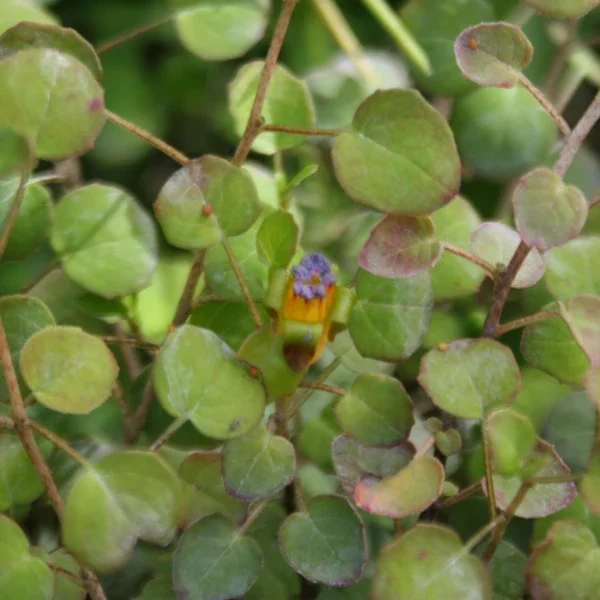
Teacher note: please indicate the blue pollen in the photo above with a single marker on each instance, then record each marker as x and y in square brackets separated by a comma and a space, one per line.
[312, 276]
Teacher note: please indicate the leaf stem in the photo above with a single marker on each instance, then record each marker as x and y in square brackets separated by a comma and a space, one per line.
[138, 420]
[59, 443]
[185, 302]
[594, 201]
[159, 144]
[119, 396]
[130, 35]
[175, 426]
[127, 341]
[265, 127]
[489, 269]
[325, 387]
[563, 126]
[461, 495]
[489, 476]
[72, 576]
[253, 516]
[255, 118]
[483, 532]
[524, 321]
[342, 32]
[425, 448]
[9, 222]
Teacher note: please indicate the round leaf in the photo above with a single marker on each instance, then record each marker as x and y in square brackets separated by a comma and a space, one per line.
[197, 376]
[496, 243]
[400, 247]
[287, 101]
[51, 99]
[33, 219]
[565, 565]
[400, 156]
[409, 492]
[68, 370]
[213, 562]
[377, 411]
[590, 484]
[125, 496]
[214, 30]
[511, 437]
[570, 9]
[429, 562]
[468, 378]
[507, 569]
[582, 315]
[22, 576]
[106, 242]
[571, 269]
[390, 316]
[337, 553]
[160, 588]
[542, 499]
[277, 239]
[205, 199]
[258, 465]
[547, 212]
[493, 54]
[22, 316]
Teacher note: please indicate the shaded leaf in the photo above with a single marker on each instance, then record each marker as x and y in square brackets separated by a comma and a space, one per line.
[277, 239]
[160, 588]
[582, 315]
[409, 492]
[68, 370]
[468, 378]
[400, 157]
[564, 8]
[507, 570]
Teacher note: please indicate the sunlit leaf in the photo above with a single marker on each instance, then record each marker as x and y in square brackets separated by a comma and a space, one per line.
[582, 315]
[589, 486]
[65, 588]
[592, 385]
[400, 156]
[277, 238]
[572, 9]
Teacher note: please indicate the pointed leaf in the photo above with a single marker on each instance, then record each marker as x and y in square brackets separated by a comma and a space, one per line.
[400, 157]
[430, 562]
[496, 243]
[547, 212]
[469, 378]
[217, 394]
[390, 316]
[106, 242]
[337, 553]
[68, 370]
[205, 199]
[377, 411]
[214, 562]
[277, 239]
[571, 9]
[582, 315]
[493, 54]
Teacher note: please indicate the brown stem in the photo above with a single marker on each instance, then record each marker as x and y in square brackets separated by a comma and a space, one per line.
[119, 396]
[69, 171]
[127, 341]
[59, 443]
[9, 221]
[132, 434]
[130, 35]
[563, 126]
[594, 201]
[253, 516]
[489, 269]
[72, 576]
[317, 385]
[299, 130]
[524, 321]
[254, 120]
[159, 144]
[175, 426]
[185, 302]
[426, 447]
[489, 476]
[461, 495]
[130, 356]
[561, 58]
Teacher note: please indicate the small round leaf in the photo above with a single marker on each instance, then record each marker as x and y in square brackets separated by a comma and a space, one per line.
[277, 239]
[570, 9]
[582, 315]
[493, 54]
[213, 562]
[68, 370]
[400, 156]
[547, 212]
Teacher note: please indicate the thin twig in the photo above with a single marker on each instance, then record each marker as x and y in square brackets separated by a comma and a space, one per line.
[254, 120]
[130, 35]
[59, 443]
[132, 434]
[185, 302]
[563, 126]
[175, 426]
[426, 447]
[299, 130]
[316, 385]
[594, 201]
[253, 516]
[130, 356]
[461, 495]
[127, 341]
[489, 476]
[119, 396]
[159, 144]
[489, 269]
[524, 321]
[9, 221]
[72, 576]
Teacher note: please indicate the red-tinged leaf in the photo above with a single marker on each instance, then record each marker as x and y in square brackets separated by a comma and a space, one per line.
[582, 315]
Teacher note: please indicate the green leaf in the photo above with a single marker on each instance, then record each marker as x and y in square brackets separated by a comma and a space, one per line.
[204, 200]
[64, 586]
[214, 562]
[377, 411]
[22, 316]
[400, 247]
[52, 100]
[160, 588]
[400, 156]
[277, 239]
[22, 576]
[214, 30]
[453, 276]
[27, 35]
[15, 11]
[493, 54]
[358, 591]
[205, 490]
[106, 241]
[589, 487]
[547, 212]
[469, 378]
[582, 315]
[337, 553]
[512, 438]
[550, 347]
[258, 465]
[592, 385]
[125, 496]
[430, 562]
[216, 394]
[571, 9]
[496, 243]
[543, 498]
[287, 101]
[33, 219]
[352, 460]
[570, 269]
[501, 133]
[566, 564]
[507, 569]
[68, 370]
[390, 316]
